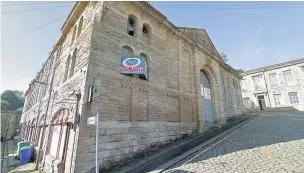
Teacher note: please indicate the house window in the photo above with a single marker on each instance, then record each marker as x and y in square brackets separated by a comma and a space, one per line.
[224, 86]
[244, 85]
[258, 82]
[67, 64]
[293, 97]
[74, 35]
[273, 80]
[128, 52]
[246, 102]
[131, 25]
[277, 98]
[144, 76]
[72, 67]
[287, 76]
[80, 27]
[145, 29]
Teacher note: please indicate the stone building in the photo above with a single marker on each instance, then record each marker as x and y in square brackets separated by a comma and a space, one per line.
[279, 85]
[10, 123]
[150, 81]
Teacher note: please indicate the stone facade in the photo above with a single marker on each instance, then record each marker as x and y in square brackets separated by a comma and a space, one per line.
[134, 113]
[275, 85]
[9, 123]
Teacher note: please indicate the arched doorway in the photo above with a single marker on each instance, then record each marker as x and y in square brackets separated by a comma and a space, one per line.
[60, 135]
[206, 97]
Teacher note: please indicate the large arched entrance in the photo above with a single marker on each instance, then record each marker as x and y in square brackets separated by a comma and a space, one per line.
[206, 97]
[60, 134]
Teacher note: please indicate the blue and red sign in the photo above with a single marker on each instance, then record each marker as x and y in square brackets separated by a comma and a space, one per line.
[133, 65]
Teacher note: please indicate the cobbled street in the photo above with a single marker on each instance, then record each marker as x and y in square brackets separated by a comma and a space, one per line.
[273, 143]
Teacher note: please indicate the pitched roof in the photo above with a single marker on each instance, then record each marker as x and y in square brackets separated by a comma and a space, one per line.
[275, 66]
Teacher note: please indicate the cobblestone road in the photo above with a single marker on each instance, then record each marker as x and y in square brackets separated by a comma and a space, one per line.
[268, 144]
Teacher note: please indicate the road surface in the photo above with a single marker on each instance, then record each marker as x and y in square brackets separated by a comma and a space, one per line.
[273, 143]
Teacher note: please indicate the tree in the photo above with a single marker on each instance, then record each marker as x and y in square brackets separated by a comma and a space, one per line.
[19, 94]
[12, 99]
[5, 106]
[224, 57]
[240, 71]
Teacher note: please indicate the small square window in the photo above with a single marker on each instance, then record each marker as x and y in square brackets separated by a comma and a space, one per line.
[293, 97]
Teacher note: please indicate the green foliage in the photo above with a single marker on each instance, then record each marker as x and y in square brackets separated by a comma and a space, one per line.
[240, 71]
[5, 105]
[11, 100]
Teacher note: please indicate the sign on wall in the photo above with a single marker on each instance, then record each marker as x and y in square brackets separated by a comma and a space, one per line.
[133, 65]
[207, 93]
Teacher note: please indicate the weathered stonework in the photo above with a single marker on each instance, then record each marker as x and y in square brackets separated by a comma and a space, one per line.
[135, 114]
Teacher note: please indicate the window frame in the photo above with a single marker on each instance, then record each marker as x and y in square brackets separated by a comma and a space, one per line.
[293, 99]
[273, 78]
[257, 82]
[275, 99]
[290, 78]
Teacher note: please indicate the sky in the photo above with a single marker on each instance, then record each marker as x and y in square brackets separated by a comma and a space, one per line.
[251, 34]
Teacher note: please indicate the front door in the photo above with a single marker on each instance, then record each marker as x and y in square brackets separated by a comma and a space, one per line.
[262, 102]
[206, 97]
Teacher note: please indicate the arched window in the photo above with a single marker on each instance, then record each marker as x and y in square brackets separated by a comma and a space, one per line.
[131, 25]
[144, 76]
[146, 32]
[67, 64]
[127, 52]
[80, 27]
[74, 35]
[145, 29]
[72, 67]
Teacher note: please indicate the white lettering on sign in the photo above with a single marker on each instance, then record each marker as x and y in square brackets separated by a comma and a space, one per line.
[92, 121]
[207, 93]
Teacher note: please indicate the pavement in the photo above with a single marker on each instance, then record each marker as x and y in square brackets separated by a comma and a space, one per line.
[8, 161]
[270, 143]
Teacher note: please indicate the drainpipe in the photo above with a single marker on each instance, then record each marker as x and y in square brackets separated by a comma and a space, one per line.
[45, 117]
[74, 127]
[267, 91]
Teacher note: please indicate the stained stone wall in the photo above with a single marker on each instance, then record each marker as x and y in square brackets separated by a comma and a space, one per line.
[136, 114]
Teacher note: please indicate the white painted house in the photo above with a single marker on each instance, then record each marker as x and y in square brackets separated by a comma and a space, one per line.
[279, 85]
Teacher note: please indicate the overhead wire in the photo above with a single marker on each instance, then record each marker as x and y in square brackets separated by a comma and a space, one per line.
[38, 3]
[35, 9]
[43, 25]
